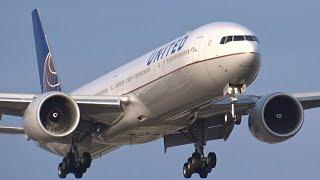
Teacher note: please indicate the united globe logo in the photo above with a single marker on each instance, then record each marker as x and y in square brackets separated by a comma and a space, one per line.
[50, 78]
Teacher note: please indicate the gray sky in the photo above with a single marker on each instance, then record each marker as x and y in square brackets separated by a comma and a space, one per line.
[91, 38]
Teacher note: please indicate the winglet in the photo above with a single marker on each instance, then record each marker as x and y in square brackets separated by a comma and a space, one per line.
[47, 72]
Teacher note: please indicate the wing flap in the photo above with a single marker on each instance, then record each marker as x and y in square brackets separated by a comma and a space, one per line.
[105, 109]
[183, 138]
[246, 102]
[99, 104]
[11, 130]
[213, 113]
[98, 150]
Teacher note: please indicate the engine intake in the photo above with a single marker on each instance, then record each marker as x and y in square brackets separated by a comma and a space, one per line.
[51, 116]
[276, 118]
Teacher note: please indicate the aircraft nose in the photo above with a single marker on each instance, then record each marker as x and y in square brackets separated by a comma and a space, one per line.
[246, 68]
[251, 60]
[251, 47]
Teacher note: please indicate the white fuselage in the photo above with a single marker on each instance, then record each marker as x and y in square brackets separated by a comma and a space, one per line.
[177, 77]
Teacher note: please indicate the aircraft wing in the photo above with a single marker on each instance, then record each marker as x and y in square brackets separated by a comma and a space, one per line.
[218, 107]
[309, 100]
[14, 104]
[105, 109]
[215, 111]
[246, 102]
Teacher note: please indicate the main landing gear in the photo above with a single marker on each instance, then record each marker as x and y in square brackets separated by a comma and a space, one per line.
[198, 162]
[197, 132]
[74, 164]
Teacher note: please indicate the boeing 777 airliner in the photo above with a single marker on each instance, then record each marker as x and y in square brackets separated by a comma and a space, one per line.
[187, 91]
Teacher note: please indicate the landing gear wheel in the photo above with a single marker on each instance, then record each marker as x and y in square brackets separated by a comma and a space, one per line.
[64, 164]
[199, 163]
[189, 165]
[195, 161]
[189, 160]
[186, 171]
[79, 170]
[72, 163]
[211, 160]
[86, 159]
[203, 173]
[196, 155]
[62, 171]
[78, 174]
[70, 160]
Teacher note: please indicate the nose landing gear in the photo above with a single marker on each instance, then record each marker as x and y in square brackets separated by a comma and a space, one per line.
[231, 118]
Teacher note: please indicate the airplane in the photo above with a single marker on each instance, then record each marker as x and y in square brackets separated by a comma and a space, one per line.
[190, 90]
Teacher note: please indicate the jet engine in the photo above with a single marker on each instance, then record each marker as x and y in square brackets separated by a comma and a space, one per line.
[275, 118]
[51, 116]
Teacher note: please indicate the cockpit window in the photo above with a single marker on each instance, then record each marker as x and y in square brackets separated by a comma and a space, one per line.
[238, 38]
[227, 39]
[249, 38]
[255, 38]
[222, 40]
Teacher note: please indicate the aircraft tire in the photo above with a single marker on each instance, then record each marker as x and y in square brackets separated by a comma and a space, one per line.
[86, 158]
[70, 160]
[203, 173]
[62, 171]
[78, 173]
[186, 171]
[211, 160]
[196, 161]
[189, 164]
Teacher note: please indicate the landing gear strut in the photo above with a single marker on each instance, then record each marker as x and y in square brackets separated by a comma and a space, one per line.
[233, 91]
[197, 132]
[198, 162]
[77, 163]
